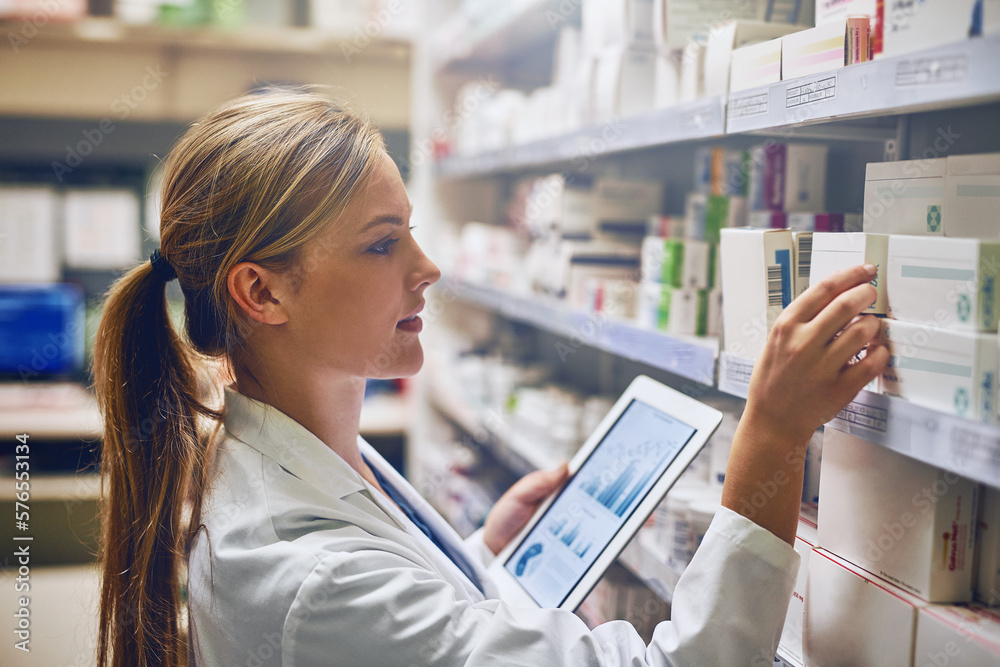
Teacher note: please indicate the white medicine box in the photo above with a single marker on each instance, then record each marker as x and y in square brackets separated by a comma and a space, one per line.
[833, 251]
[791, 634]
[972, 196]
[905, 521]
[855, 618]
[757, 283]
[943, 369]
[29, 245]
[953, 283]
[905, 197]
[958, 636]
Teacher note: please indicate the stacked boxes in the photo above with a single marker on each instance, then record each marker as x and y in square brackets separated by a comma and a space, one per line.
[833, 252]
[676, 278]
[905, 197]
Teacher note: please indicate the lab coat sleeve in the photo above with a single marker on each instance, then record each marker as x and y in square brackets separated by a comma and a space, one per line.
[378, 608]
[476, 545]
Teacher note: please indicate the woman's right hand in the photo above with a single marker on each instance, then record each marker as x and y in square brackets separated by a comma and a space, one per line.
[808, 371]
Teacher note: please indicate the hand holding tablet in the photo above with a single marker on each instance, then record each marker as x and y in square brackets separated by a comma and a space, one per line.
[619, 475]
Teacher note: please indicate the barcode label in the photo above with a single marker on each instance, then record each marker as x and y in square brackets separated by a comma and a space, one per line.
[774, 285]
[805, 256]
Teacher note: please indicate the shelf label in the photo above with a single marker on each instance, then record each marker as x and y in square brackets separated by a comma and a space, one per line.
[747, 106]
[809, 93]
[930, 71]
[867, 416]
[973, 448]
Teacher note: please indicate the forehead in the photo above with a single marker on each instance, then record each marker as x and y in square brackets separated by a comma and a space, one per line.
[384, 194]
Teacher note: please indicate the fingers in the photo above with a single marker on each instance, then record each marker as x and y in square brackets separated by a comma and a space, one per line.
[858, 375]
[839, 312]
[537, 485]
[863, 331]
[815, 299]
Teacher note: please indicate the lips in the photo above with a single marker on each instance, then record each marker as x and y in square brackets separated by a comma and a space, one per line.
[412, 314]
[412, 322]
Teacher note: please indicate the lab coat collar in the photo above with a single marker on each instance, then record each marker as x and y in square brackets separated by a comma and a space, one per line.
[290, 444]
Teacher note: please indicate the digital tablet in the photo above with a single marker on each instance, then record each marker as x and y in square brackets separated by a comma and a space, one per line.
[619, 475]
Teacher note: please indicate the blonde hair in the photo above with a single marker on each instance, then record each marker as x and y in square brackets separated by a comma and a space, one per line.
[256, 181]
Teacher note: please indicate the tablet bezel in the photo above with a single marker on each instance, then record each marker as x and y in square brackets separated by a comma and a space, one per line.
[702, 418]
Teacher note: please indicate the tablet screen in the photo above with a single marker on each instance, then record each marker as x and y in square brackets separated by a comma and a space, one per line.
[597, 502]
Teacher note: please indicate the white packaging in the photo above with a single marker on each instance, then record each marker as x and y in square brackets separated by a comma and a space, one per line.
[102, 228]
[791, 634]
[667, 85]
[723, 39]
[29, 247]
[755, 65]
[680, 311]
[676, 262]
[914, 527]
[713, 322]
[623, 82]
[756, 267]
[675, 20]
[991, 17]
[943, 369]
[819, 49]
[722, 440]
[583, 270]
[555, 202]
[813, 469]
[905, 197]
[768, 220]
[692, 86]
[957, 636]
[854, 618]
[988, 548]
[972, 196]
[632, 202]
[695, 209]
[916, 26]
[568, 52]
[948, 282]
[617, 23]
[829, 11]
[700, 515]
[832, 252]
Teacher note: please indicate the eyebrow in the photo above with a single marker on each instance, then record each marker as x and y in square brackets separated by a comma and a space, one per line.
[385, 219]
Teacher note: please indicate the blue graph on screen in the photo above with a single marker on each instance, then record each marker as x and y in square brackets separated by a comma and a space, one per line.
[618, 492]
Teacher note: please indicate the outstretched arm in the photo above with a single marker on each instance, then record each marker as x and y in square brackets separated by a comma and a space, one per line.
[804, 377]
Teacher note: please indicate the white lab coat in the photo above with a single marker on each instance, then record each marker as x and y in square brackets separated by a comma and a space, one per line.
[302, 563]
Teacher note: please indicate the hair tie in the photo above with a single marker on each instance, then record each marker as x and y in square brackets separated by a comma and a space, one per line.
[161, 267]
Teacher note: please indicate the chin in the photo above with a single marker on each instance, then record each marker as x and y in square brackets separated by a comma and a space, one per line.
[389, 367]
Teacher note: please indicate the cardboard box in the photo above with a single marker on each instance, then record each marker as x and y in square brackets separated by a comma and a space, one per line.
[829, 11]
[627, 202]
[854, 618]
[802, 250]
[676, 20]
[957, 636]
[791, 634]
[755, 65]
[609, 23]
[768, 219]
[692, 86]
[987, 589]
[757, 279]
[29, 243]
[787, 177]
[567, 206]
[623, 82]
[676, 262]
[667, 85]
[819, 49]
[972, 196]
[905, 197]
[991, 17]
[832, 252]
[102, 228]
[943, 369]
[952, 283]
[695, 209]
[674, 310]
[916, 26]
[718, 171]
[722, 41]
[914, 528]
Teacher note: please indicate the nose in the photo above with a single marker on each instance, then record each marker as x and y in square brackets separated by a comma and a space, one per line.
[426, 272]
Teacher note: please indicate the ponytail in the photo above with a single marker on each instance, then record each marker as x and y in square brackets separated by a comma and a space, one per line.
[153, 468]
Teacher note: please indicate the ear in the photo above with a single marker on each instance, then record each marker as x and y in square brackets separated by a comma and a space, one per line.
[253, 288]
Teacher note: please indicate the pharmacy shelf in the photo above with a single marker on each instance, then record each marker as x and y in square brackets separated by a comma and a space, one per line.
[109, 32]
[690, 357]
[385, 415]
[960, 74]
[700, 119]
[61, 411]
[965, 447]
[508, 30]
[493, 434]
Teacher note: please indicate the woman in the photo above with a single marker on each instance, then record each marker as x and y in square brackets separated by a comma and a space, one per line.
[286, 224]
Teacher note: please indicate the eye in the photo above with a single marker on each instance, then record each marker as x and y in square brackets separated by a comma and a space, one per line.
[384, 247]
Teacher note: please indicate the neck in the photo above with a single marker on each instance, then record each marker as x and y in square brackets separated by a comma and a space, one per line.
[329, 407]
